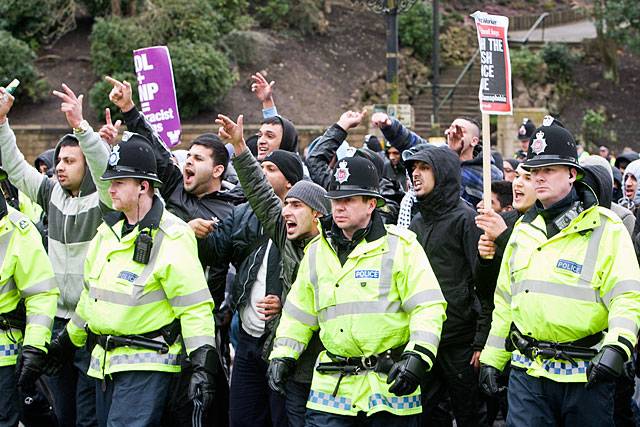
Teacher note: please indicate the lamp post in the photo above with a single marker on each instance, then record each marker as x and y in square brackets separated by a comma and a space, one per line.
[390, 9]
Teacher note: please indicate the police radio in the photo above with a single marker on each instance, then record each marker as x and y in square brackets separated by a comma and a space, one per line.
[142, 249]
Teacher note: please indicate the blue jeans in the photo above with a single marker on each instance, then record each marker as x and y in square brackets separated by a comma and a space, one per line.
[74, 396]
[296, 402]
[251, 401]
[9, 400]
[380, 419]
[132, 399]
[538, 402]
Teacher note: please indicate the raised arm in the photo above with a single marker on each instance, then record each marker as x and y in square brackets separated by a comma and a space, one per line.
[325, 148]
[96, 151]
[21, 174]
[265, 203]
[398, 136]
[264, 92]
[122, 96]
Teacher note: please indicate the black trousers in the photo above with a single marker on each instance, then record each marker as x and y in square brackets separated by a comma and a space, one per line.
[452, 378]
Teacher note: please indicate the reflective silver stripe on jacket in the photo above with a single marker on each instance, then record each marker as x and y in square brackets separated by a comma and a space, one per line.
[40, 319]
[39, 287]
[579, 293]
[199, 341]
[425, 336]
[9, 286]
[620, 288]
[623, 323]
[591, 256]
[203, 295]
[78, 321]
[430, 295]
[137, 359]
[301, 316]
[381, 305]
[496, 342]
[297, 346]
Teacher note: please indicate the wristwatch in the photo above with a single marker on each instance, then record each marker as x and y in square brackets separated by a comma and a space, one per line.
[83, 127]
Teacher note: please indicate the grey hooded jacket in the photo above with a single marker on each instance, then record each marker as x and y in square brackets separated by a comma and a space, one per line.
[73, 221]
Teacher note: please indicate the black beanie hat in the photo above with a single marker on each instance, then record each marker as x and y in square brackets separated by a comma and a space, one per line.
[288, 163]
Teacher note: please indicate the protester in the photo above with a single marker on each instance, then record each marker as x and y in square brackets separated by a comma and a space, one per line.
[291, 227]
[256, 295]
[509, 167]
[445, 228]
[462, 136]
[501, 196]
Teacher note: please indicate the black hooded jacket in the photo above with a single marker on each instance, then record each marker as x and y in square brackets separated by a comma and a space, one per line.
[445, 227]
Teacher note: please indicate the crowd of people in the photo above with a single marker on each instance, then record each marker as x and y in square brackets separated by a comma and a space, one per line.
[244, 283]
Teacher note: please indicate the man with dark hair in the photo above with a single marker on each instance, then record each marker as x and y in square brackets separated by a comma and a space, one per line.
[501, 196]
[445, 228]
[463, 136]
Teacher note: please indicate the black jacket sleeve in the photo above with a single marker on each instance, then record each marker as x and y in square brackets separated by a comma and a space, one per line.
[400, 137]
[263, 200]
[319, 159]
[168, 172]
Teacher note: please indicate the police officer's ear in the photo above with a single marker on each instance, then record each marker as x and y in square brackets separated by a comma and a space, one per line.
[573, 174]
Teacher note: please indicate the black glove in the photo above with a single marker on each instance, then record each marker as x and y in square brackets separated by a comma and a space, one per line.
[205, 365]
[406, 374]
[278, 372]
[29, 367]
[61, 350]
[606, 366]
[490, 381]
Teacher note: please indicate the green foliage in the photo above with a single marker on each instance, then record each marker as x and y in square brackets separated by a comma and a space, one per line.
[202, 75]
[233, 12]
[194, 20]
[16, 61]
[272, 14]
[99, 95]
[112, 43]
[37, 21]
[527, 65]
[560, 62]
[415, 30]
[593, 126]
[457, 44]
[621, 19]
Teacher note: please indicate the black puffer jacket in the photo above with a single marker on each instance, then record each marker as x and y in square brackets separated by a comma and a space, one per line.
[320, 163]
[445, 227]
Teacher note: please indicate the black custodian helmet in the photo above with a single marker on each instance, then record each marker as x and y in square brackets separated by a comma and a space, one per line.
[551, 144]
[132, 158]
[355, 176]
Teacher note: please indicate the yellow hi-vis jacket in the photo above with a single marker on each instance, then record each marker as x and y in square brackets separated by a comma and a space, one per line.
[26, 272]
[124, 297]
[385, 296]
[579, 282]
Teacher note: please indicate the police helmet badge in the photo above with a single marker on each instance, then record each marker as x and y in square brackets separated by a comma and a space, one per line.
[523, 130]
[547, 121]
[539, 144]
[342, 174]
[114, 157]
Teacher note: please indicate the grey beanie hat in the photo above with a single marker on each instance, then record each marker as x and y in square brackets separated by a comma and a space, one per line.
[310, 194]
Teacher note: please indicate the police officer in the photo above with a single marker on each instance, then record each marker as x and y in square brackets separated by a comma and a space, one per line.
[567, 303]
[28, 298]
[371, 292]
[144, 290]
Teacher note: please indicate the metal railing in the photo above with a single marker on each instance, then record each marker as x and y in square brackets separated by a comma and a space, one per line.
[471, 61]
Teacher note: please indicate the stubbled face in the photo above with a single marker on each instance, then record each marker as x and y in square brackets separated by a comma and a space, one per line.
[394, 156]
[199, 170]
[352, 213]
[630, 187]
[125, 194]
[299, 219]
[70, 168]
[524, 193]
[462, 137]
[276, 178]
[269, 139]
[509, 172]
[423, 179]
[552, 183]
